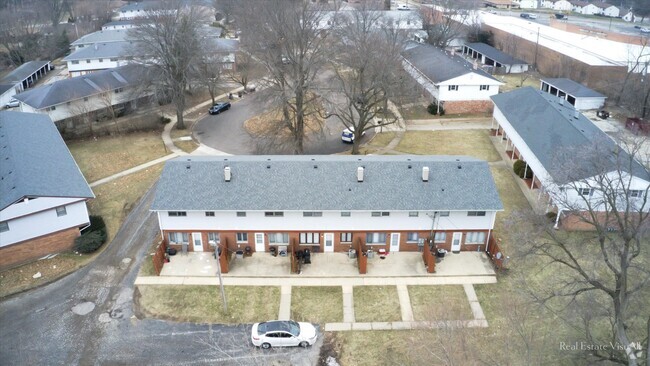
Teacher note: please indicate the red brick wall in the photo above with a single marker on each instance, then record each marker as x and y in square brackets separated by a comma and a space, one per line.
[468, 106]
[339, 246]
[32, 249]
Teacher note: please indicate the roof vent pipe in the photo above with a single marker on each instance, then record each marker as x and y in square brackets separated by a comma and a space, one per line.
[360, 174]
[576, 114]
[226, 174]
[425, 174]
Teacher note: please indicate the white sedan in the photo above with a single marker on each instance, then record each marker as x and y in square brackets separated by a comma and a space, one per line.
[283, 333]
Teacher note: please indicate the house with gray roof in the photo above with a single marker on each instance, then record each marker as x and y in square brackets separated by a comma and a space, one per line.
[566, 155]
[120, 24]
[499, 61]
[326, 202]
[102, 36]
[102, 91]
[43, 193]
[102, 56]
[21, 78]
[578, 95]
[452, 83]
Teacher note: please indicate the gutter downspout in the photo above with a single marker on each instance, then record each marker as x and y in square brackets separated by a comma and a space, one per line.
[557, 219]
[494, 217]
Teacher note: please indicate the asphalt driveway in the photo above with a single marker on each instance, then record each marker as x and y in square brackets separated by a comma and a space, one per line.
[225, 131]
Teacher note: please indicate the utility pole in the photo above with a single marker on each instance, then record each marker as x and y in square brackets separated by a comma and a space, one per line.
[223, 293]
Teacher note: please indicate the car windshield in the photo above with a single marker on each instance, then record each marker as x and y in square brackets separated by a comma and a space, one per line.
[286, 326]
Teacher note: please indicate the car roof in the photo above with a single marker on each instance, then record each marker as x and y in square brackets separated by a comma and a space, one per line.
[275, 325]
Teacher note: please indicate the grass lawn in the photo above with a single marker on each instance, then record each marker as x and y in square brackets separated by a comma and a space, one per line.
[203, 303]
[475, 143]
[317, 304]
[439, 303]
[376, 304]
[416, 112]
[513, 201]
[371, 348]
[114, 200]
[382, 139]
[106, 156]
[147, 268]
[512, 81]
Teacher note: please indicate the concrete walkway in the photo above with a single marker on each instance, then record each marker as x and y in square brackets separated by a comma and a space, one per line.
[136, 169]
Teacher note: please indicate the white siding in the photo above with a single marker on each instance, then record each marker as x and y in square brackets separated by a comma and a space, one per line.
[331, 220]
[84, 67]
[7, 95]
[612, 11]
[562, 5]
[589, 103]
[468, 88]
[43, 223]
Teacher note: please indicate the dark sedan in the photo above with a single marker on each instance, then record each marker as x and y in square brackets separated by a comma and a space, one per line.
[219, 107]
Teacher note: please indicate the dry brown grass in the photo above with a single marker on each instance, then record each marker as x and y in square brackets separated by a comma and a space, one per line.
[512, 81]
[475, 143]
[416, 112]
[317, 304]
[513, 201]
[376, 304]
[382, 139]
[439, 303]
[115, 199]
[203, 304]
[106, 156]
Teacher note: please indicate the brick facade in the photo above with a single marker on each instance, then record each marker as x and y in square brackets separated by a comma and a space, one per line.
[29, 250]
[339, 246]
[468, 106]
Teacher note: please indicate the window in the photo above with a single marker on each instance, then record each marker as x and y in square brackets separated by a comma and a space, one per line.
[475, 213]
[4, 226]
[101, 60]
[453, 88]
[241, 213]
[635, 193]
[444, 213]
[345, 214]
[85, 99]
[484, 87]
[412, 237]
[213, 238]
[440, 237]
[378, 213]
[61, 211]
[309, 238]
[476, 237]
[346, 237]
[178, 238]
[75, 62]
[312, 214]
[209, 213]
[279, 238]
[585, 192]
[376, 238]
[413, 214]
[242, 237]
[113, 59]
[177, 213]
[273, 213]
[119, 90]
[52, 108]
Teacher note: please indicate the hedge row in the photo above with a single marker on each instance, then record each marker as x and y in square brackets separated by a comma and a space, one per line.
[92, 239]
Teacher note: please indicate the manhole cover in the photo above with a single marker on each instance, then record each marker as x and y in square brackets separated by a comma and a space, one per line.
[83, 308]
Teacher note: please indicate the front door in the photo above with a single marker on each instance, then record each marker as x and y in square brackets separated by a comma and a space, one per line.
[259, 242]
[329, 242]
[197, 242]
[455, 242]
[394, 242]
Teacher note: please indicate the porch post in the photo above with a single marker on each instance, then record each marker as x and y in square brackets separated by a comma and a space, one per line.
[526, 170]
[557, 218]
[532, 182]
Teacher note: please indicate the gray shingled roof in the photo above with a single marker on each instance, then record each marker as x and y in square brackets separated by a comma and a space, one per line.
[35, 160]
[322, 182]
[5, 87]
[548, 126]
[572, 88]
[104, 50]
[22, 72]
[438, 65]
[120, 22]
[67, 90]
[103, 36]
[494, 54]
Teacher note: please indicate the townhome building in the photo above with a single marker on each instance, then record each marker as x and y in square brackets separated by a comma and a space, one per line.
[326, 203]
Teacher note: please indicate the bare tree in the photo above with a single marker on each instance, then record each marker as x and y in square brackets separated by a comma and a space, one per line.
[363, 75]
[447, 20]
[209, 69]
[55, 9]
[289, 39]
[20, 34]
[247, 69]
[601, 276]
[171, 39]
[226, 8]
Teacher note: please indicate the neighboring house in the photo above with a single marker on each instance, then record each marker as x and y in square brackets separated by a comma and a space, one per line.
[102, 92]
[139, 10]
[545, 132]
[490, 56]
[42, 191]
[501, 4]
[103, 36]
[23, 77]
[394, 203]
[101, 56]
[576, 94]
[630, 17]
[607, 10]
[396, 19]
[527, 4]
[119, 25]
[450, 80]
[585, 8]
[562, 5]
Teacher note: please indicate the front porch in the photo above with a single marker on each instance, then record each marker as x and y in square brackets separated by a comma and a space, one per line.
[330, 265]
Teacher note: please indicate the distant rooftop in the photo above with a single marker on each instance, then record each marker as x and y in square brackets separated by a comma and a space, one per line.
[494, 54]
[103, 36]
[104, 50]
[22, 72]
[572, 88]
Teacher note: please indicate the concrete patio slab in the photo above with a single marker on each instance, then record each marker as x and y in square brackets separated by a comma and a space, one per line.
[338, 327]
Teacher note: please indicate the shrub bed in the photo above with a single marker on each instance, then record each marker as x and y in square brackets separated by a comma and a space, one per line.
[92, 239]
